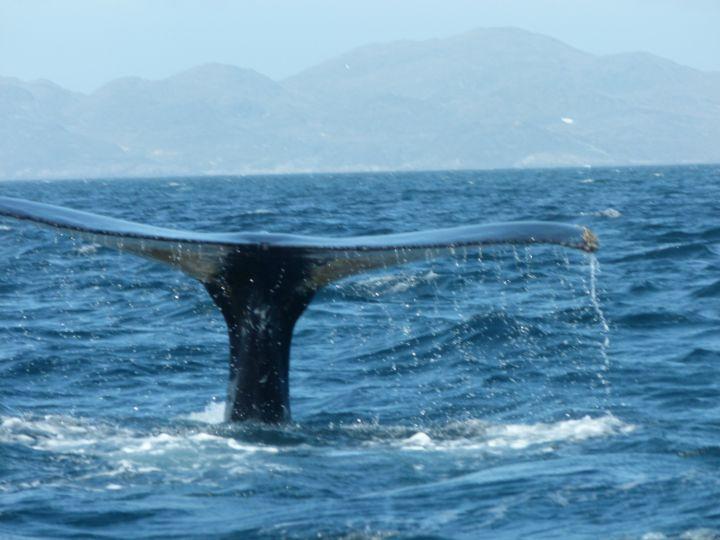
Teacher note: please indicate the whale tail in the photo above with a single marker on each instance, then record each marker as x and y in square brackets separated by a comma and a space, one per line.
[262, 282]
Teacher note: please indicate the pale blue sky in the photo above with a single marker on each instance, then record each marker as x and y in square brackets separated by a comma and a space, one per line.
[81, 44]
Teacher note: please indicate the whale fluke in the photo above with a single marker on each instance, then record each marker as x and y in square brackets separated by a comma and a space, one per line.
[262, 282]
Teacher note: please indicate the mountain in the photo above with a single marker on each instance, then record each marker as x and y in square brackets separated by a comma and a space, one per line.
[488, 98]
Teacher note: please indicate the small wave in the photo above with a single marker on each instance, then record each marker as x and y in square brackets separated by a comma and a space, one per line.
[700, 355]
[681, 236]
[5, 228]
[671, 252]
[710, 291]
[711, 234]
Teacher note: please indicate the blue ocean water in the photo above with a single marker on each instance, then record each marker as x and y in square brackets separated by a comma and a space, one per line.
[500, 393]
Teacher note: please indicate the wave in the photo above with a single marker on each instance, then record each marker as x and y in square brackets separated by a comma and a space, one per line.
[658, 319]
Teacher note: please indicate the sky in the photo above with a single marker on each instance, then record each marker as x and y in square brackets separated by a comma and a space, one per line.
[82, 44]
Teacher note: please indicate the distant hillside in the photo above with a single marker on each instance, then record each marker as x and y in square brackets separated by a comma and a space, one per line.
[488, 98]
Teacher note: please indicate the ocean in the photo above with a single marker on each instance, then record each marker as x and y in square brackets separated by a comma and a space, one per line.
[506, 392]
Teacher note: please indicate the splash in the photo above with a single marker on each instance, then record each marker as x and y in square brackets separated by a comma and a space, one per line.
[213, 413]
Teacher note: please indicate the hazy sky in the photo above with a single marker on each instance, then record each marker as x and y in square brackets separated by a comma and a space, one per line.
[81, 44]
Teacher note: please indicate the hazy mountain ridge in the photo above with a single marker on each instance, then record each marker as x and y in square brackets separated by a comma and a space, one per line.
[487, 98]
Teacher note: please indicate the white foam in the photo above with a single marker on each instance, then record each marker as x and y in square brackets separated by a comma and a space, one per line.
[567, 120]
[5, 228]
[182, 455]
[120, 456]
[478, 435]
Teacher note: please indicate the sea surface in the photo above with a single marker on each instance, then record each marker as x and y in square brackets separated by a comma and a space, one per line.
[506, 392]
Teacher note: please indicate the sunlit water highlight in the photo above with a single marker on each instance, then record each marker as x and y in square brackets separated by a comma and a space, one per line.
[527, 392]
